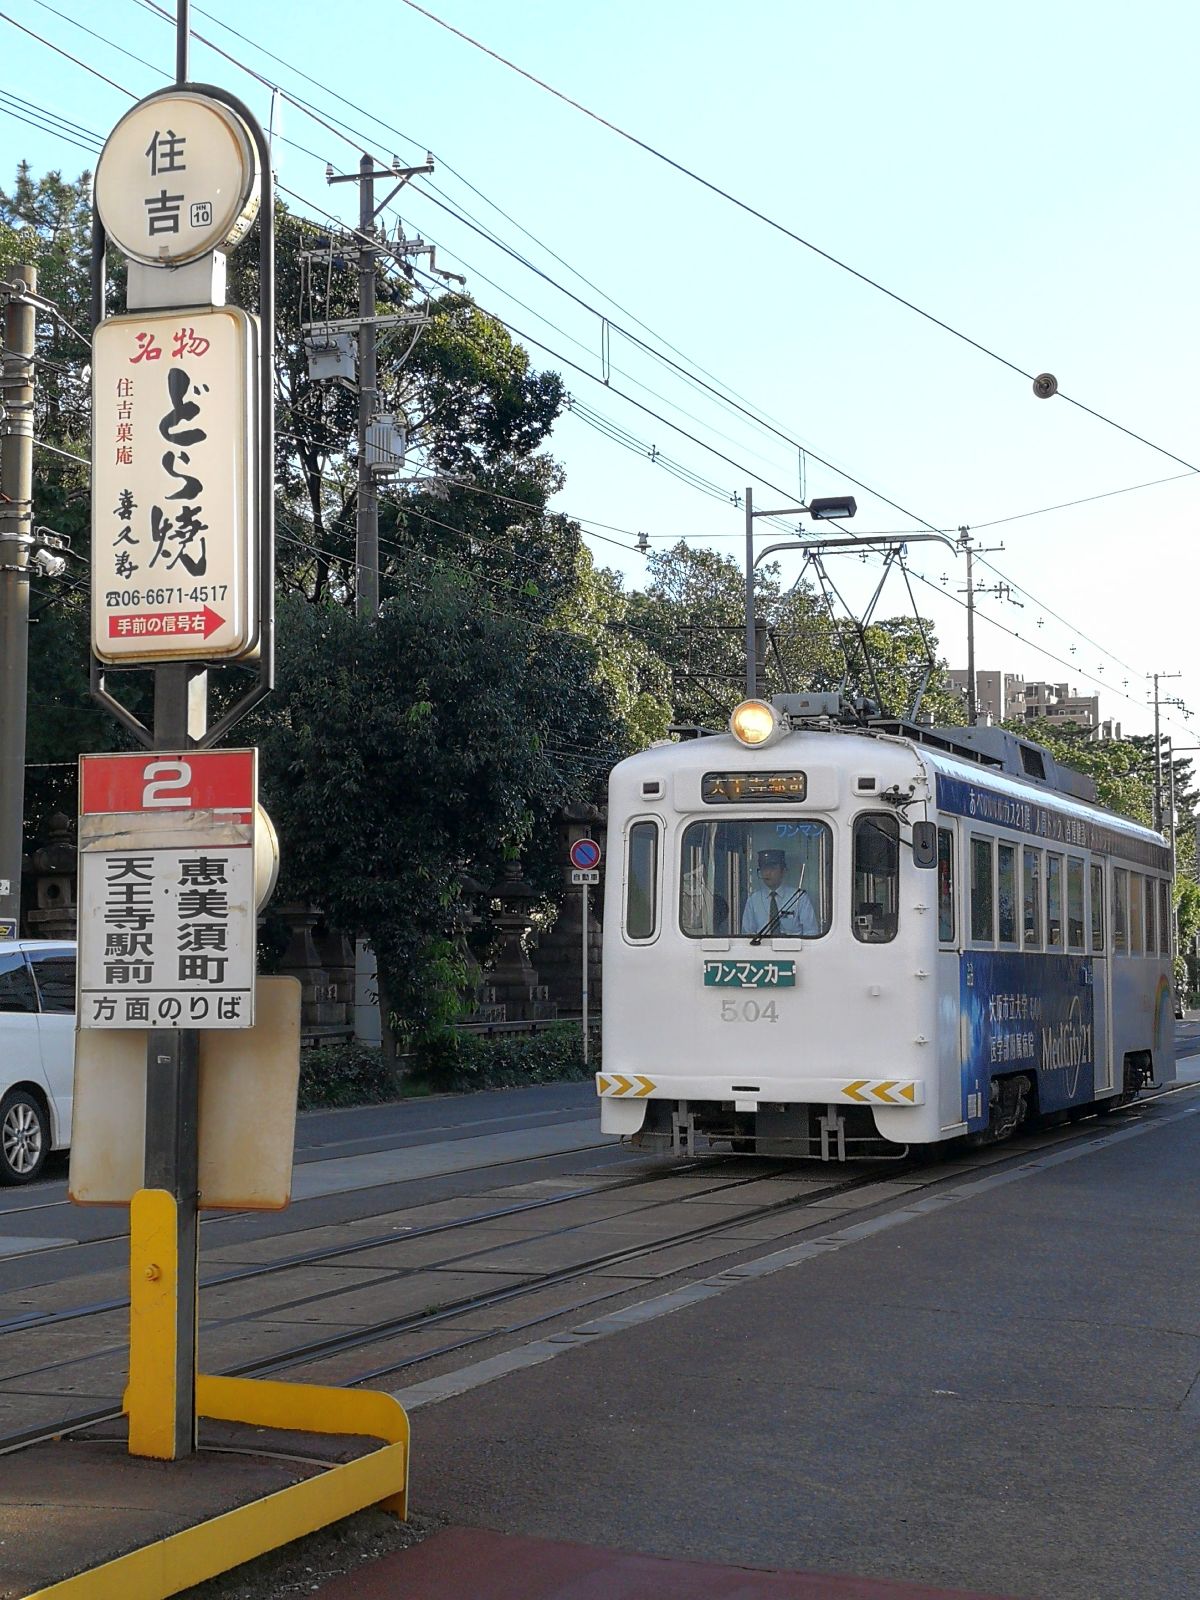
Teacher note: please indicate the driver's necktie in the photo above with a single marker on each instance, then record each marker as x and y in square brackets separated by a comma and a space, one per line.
[773, 915]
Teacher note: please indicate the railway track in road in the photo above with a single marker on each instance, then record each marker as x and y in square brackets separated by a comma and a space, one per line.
[390, 1328]
[312, 1352]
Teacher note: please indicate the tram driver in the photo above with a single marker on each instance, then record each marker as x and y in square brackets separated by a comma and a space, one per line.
[777, 906]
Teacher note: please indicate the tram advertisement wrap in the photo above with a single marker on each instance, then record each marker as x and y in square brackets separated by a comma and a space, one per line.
[1031, 1013]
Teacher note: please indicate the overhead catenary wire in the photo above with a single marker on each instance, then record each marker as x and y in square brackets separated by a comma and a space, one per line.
[518, 332]
[789, 233]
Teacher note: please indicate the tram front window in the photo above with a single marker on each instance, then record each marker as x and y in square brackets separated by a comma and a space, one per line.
[745, 877]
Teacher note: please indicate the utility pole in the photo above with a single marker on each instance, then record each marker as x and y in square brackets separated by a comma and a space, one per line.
[964, 540]
[1159, 677]
[366, 554]
[16, 538]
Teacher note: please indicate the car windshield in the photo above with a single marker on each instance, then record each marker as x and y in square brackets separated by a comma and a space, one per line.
[749, 876]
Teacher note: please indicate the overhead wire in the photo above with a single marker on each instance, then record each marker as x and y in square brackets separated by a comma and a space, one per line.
[789, 233]
[666, 422]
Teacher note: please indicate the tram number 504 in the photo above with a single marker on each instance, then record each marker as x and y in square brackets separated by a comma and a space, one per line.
[749, 1011]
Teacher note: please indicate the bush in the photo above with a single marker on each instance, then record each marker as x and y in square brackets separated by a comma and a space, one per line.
[346, 1075]
[445, 1062]
[454, 1060]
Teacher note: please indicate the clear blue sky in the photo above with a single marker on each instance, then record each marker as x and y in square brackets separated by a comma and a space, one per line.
[1025, 173]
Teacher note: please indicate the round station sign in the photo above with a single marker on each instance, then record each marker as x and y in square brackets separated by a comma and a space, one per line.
[585, 854]
[176, 178]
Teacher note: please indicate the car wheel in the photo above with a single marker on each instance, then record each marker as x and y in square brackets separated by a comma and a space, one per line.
[24, 1137]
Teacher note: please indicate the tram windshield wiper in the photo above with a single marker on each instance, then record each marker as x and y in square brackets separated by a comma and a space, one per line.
[780, 912]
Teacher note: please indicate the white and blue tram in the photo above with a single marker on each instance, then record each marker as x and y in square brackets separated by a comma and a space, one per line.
[956, 938]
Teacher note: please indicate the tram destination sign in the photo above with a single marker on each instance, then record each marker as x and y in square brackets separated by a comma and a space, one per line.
[738, 788]
[167, 914]
[174, 574]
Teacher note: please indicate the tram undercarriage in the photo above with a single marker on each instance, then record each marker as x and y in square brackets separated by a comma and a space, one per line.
[808, 1132]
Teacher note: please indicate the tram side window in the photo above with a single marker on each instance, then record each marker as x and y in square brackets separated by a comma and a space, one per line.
[1166, 921]
[945, 871]
[1136, 914]
[1120, 910]
[983, 895]
[1074, 903]
[641, 890]
[1097, 908]
[1031, 898]
[876, 878]
[1054, 925]
[1151, 916]
[1006, 893]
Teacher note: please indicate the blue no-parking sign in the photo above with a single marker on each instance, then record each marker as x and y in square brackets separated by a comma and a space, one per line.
[585, 854]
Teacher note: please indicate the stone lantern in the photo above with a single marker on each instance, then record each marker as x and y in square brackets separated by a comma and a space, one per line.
[51, 869]
[512, 980]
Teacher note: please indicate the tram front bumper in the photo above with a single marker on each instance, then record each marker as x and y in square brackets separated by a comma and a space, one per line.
[623, 1096]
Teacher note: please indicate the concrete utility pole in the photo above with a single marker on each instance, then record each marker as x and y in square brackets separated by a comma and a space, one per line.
[1159, 677]
[366, 554]
[367, 542]
[16, 538]
[964, 540]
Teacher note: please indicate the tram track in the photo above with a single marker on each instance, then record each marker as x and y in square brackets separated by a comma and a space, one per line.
[323, 1348]
[314, 1352]
[323, 1256]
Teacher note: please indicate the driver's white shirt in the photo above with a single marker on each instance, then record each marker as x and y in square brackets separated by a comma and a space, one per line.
[799, 917]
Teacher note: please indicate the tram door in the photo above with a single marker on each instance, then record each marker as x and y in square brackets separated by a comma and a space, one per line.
[1101, 955]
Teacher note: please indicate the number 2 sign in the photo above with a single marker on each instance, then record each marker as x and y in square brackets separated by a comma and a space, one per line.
[198, 780]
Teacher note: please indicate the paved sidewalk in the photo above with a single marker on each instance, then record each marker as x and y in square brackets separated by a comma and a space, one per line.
[476, 1564]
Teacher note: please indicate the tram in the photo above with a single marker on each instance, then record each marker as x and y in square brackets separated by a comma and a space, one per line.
[832, 936]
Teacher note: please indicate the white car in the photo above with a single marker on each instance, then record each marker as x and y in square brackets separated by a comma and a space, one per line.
[37, 1053]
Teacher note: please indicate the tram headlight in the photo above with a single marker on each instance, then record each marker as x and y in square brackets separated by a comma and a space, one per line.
[755, 723]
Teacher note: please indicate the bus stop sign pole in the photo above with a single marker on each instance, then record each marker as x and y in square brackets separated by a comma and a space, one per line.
[585, 860]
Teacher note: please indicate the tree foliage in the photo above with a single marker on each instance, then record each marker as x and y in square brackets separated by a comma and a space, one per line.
[402, 754]
[691, 615]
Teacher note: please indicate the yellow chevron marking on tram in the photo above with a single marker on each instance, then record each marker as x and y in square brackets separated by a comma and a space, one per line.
[616, 1084]
[880, 1091]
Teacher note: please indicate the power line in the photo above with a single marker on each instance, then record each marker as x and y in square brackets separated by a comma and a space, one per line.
[1066, 505]
[620, 394]
[789, 233]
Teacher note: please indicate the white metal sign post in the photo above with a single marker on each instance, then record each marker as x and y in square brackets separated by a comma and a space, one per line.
[182, 513]
[585, 859]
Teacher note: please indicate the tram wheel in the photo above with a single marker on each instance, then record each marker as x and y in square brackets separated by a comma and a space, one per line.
[1008, 1109]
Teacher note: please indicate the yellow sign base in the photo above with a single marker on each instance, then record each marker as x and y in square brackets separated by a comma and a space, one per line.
[221, 1543]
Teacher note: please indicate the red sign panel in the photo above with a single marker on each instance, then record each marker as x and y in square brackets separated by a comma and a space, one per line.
[196, 780]
[147, 624]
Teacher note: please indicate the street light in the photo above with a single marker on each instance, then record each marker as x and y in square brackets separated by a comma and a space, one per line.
[827, 510]
[820, 510]
[833, 508]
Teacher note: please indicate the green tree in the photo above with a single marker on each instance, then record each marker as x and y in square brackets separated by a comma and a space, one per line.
[401, 754]
[46, 222]
[692, 614]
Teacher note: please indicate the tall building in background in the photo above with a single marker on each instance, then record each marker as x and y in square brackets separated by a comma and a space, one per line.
[998, 695]
[1005, 697]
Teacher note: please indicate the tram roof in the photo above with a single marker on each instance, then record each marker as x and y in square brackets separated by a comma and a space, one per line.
[933, 747]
